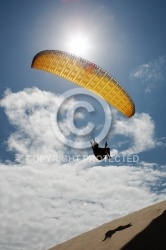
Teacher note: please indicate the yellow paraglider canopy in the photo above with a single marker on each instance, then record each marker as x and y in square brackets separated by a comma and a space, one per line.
[87, 75]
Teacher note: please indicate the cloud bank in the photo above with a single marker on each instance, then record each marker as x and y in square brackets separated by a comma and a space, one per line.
[45, 202]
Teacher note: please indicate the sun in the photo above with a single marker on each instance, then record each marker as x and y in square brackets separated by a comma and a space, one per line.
[78, 44]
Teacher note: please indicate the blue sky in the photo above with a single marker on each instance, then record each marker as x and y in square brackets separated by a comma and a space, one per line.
[43, 197]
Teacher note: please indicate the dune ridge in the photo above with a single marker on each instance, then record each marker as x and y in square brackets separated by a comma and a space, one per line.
[143, 229]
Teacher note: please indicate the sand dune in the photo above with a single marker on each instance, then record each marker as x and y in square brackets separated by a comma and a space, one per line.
[144, 229]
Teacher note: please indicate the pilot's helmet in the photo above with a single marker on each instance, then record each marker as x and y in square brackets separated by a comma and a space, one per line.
[95, 145]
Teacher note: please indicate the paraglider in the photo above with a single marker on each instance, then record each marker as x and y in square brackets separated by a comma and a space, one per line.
[90, 76]
[87, 75]
[100, 153]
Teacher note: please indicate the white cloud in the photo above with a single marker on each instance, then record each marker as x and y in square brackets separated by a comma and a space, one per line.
[45, 201]
[141, 131]
[30, 112]
[151, 72]
[52, 204]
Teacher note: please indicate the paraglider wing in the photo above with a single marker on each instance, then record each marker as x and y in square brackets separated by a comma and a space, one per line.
[87, 75]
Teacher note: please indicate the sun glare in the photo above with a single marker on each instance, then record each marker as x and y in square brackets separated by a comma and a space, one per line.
[78, 45]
